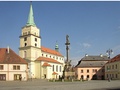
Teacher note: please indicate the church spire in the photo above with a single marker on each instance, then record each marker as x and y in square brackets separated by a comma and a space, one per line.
[30, 21]
[57, 47]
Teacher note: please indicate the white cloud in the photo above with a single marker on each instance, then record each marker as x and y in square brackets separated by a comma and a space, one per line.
[86, 45]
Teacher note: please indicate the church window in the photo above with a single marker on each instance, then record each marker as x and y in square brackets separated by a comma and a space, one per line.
[25, 44]
[28, 32]
[25, 39]
[60, 68]
[53, 68]
[36, 39]
[57, 68]
[35, 44]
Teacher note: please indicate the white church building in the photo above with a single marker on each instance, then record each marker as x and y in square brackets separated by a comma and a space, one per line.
[43, 63]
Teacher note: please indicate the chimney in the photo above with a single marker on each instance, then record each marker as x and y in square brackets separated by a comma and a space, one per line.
[8, 49]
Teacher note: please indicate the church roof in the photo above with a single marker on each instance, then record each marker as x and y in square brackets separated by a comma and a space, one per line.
[48, 50]
[8, 56]
[47, 60]
[46, 64]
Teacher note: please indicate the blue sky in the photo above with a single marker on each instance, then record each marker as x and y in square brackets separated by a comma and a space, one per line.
[93, 27]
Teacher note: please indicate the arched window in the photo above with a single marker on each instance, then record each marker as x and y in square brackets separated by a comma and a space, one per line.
[82, 76]
[87, 76]
[60, 68]
[25, 44]
[53, 68]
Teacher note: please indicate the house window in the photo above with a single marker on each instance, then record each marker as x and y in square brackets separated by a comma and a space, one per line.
[81, 71]
[82, 76]
[36, 39]
[93, 70]
[112, 66]
[87, 76]
[87, 70]
[16, 67]
[25, 39]
[1, 67]
[116, 66]
[42, 54]
[46, 55]
[53, 68]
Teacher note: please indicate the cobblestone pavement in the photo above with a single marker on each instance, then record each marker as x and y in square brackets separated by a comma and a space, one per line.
[45, 85]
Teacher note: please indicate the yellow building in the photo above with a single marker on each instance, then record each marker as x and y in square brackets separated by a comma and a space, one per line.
[112, 68]
[42, 62]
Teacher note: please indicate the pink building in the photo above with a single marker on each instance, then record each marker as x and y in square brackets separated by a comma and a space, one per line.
[91, 67]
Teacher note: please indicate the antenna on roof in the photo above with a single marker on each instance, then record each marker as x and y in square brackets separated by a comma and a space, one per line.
[7, 49]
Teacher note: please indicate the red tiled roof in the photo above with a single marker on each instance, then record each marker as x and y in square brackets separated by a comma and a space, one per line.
[54, 73]
[46, 64]
[114, 59]
[47, 59]
[11, 57]
[47, 50]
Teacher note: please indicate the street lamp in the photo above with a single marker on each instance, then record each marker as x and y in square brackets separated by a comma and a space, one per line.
[109, 52]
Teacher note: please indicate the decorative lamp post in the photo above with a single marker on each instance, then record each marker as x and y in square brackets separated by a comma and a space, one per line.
[109, 52]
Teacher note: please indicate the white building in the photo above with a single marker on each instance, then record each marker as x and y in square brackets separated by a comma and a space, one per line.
[12, 66]
[42, 62]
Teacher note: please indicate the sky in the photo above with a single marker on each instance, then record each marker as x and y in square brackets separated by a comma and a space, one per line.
[93, 26]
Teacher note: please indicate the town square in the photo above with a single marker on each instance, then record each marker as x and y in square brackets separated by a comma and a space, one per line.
[59, 45]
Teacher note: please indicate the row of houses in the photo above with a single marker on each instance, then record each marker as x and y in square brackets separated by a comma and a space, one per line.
[98, 68]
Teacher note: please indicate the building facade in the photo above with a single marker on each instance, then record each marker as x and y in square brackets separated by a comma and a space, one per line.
[112, 68]
[42, 62]
[91, 67]
[12, 66]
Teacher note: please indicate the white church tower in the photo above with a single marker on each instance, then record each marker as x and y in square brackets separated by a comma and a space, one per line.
[30, 43]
